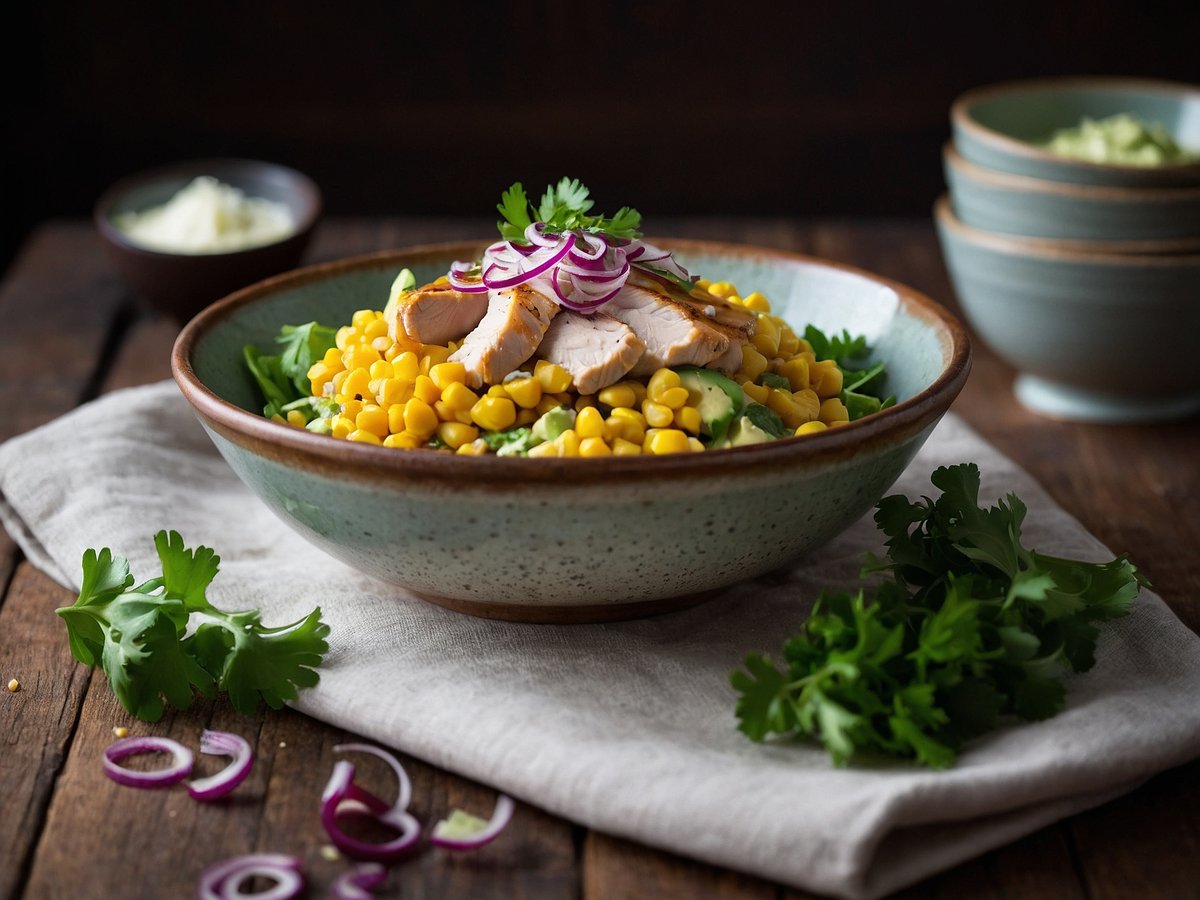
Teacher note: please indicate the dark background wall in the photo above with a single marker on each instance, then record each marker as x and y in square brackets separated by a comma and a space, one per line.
[675, 107]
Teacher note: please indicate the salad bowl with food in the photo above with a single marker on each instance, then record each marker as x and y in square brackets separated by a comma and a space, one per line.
[573, 423]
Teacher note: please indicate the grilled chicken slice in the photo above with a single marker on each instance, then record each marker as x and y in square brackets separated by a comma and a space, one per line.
[436, 314]
[716, 310]
[676, 333]
[597, 350]
[506, 336]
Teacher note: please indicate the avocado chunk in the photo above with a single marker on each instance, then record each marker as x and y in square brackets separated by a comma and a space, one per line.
[720, 400]
[551, 424]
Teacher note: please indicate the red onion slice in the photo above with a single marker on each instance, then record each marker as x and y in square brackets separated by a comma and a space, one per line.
[533, 266]
[403, 783]
[222, 743]
[359, 883]
[338, 790]
[224, 880]
[535, 234]
[594, 246]
[180, 768]
[500, 818]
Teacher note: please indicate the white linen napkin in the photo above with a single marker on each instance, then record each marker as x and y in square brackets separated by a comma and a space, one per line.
[627, 728]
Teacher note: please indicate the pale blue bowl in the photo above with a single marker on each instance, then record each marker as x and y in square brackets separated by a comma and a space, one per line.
[1000, 126]
[573, 540]
[1094, 336]
[1111, 219]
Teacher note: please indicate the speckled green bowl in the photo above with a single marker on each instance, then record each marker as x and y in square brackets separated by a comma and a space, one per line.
[573, 540]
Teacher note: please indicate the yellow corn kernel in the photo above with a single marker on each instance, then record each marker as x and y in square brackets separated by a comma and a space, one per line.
[318, 375]
[403, 441]
[406, 366]
[666, 440]
[550, 448]
[695, 445]
[364, 437]
[553, 378]
[276, 417]
[381, 368]
[445, 412]
[494, 413]
[372, 419]
[525, 392]
[687, 418]
[497, 390]
[395, 418]
[833, 410]
[721, 289]
[789, 343]
[464, 416]
[703, 283]
[617, 395]
[425, 389]
[375, 329]
[756, 302]
[341, 426]
[546, 404]
[434, 354]
[756, 392]
[811, 428]
[359, 357]
[417, 417]
[295, 418]
[399, 346]
[629, 429]
[838, 423]
[676, 397]
[351, 408]
[477, 447]
[593, 447]
[393, 390]
[808, 403]
[753, 362]
[339, 378]
[782, 402]
[342, 338]
[526, 416]
[660, 381]
[333, 358]
[657, 415]
[455, 434]
[568, 442]
[796, 372]
[632, 415]
[457, 395]
[357, 383]
[622, 447]
[362, 318]
[584, 401]
[825, 378]
[448, 373]
[590, 423]
[381, 345]
[766, 336]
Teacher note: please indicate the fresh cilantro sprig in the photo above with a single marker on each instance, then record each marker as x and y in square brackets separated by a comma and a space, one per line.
[283, 378]
[969, 627]
[163, 641]
[862, 381]
[563, 207]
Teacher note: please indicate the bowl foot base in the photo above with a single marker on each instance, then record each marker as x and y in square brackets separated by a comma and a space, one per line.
[1061, 401]
[570, 615]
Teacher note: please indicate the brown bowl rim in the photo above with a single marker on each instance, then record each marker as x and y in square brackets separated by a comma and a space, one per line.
[320, 453]
[306, 187]
[960, 114]
[1049, 248]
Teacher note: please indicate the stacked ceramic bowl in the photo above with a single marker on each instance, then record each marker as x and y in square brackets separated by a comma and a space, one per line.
[1085, 276]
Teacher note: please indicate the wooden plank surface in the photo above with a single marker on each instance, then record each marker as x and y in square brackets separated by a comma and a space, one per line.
[67, 832]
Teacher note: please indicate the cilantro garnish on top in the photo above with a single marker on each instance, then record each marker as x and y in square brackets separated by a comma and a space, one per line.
[563, 207]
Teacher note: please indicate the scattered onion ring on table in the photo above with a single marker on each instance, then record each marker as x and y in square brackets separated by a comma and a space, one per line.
[343, 797]
[179, 769]
[359, 883]
[224, 880]
[223, 743]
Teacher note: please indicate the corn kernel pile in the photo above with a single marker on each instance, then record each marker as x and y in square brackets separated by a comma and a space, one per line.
[401, 393]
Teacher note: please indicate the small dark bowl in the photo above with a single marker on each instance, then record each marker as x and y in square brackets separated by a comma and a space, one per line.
[181, 284]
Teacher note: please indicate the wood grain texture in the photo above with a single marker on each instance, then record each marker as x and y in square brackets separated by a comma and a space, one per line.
[77, 834]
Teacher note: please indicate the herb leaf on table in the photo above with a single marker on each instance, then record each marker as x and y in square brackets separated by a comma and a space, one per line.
[141, 636]
[969, 626]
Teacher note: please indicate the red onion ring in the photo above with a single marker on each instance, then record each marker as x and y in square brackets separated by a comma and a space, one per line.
[403, 783]
[179, 769]
[224, 880]
[533, 269]
[222, 743]
[359, 883]
[596, 241]
[340, 789]
[500, 818]
[534, 235]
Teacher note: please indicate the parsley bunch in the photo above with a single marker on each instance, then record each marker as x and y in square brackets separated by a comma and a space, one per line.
[564, 207]
[161, 641]
[969, 627]
[283, 378]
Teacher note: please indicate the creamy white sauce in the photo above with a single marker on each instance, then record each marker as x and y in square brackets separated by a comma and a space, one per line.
[208, 216]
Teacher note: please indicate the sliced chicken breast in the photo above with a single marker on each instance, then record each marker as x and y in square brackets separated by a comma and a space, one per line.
[597, 350]
[436, 314]
[716, 309]
[514, 324]
[675, 333]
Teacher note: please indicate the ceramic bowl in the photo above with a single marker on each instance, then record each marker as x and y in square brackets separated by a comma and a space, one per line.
[573, 540]
[1094, 336]
[182, 284]
[1000, 127]
[1111, 219]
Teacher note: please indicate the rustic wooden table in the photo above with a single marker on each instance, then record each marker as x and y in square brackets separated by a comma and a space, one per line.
[70, 331]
